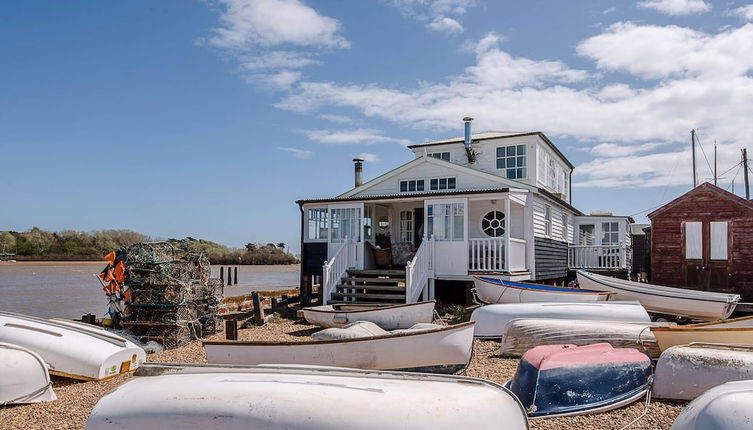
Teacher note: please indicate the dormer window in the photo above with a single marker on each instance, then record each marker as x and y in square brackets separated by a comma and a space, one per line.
[513, 160]
[441, 155]
[411, 185]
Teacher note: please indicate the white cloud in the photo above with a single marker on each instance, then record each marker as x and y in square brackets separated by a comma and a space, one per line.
[744, 12]
[368, 157]
[357, 136]
[445, 25]
[609, 10]
[277, 60]
[440, 15]
[282, 80]
[677, 7]
[340, 119]
[616, 150]
[297, 153]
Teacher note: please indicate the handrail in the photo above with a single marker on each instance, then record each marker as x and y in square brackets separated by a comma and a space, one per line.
[417, 271]
[334, 269]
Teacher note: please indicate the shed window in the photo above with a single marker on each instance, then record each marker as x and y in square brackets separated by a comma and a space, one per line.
[513, 160]
[441, 155]
[317, 224]
[718, 240]
[610, 233]
[693, 241]
[411, 185]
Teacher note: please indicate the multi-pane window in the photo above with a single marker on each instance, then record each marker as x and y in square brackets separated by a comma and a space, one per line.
[446, 221]
[548, 220]
[411, 185]
[564, 227]
[317, 224]
[406, 226]
[513, 160]
[493, 224]
[368, 216]
[346, 223]
[441, 155]
[442, 184]
[610, 233]
[586, 234]
[552, 173]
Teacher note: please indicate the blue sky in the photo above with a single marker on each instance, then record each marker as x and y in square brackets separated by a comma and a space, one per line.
[210, 118]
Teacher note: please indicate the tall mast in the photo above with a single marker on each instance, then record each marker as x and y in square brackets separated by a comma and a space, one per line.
[745, 167]
[714, 163]
[692, 142]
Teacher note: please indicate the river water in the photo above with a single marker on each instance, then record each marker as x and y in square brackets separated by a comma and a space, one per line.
[70, 290]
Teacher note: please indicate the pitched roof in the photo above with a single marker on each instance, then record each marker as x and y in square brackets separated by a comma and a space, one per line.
[706, 186]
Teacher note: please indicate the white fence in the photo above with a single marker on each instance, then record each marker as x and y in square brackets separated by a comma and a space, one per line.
[418, 270]
[335, 268]
[487, 254]
[598, 257]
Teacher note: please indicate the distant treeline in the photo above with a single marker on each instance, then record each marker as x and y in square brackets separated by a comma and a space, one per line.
[37, 244]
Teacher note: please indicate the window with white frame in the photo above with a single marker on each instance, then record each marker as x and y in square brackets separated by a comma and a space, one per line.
[368, 221]
[586, 234]
[493, 224]
[441, 155]
[542, 166]
[346, 223]
[513, 160]
[405, 230]
[551, 175]
[411, 185]
[610, 233]
[442, 184]
[446, 221]
[317, 223]
[548, 220]
[565, 229]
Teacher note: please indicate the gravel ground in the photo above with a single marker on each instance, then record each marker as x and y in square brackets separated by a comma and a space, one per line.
[76, 399]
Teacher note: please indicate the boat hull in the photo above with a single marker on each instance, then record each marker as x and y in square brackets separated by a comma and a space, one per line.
[491, 290]
[299, 398]
[491, 320]
[692, 304]
[444, 350]
[738, 331]
[522, 335]
[388, 317]
[71, 349]
[725, 407]
[23, 376]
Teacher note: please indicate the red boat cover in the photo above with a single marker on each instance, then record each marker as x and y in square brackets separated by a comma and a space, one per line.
[556, 356]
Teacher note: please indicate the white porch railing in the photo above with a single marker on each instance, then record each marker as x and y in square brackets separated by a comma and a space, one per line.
[418, 271]
[335, 268]
[487, 254]
[598, 257]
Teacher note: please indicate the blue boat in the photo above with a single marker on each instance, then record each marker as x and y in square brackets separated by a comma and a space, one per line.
[562, 380]
[494, 290]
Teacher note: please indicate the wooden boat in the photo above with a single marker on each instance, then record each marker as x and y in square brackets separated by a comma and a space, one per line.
[491, 320]
[23, 376]
[445, 350]
[490, 290]
[298, 398]
[692, 304]
[524, 334]
[71, 349]
[725, 407]
[563, 380]
[684, 372]
[737, 331]
[386, 317]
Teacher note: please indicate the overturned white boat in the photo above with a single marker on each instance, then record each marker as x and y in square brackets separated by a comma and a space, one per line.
[386, 317]
[524, 334]
[737, 331]
[725, 407]
[184, 397]
[23, 376]
[684, 372]
[446, 349]
[682, 302]
[490, 289]
[491, 320]
[71, 349]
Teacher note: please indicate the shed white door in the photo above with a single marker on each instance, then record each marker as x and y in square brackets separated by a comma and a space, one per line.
[447, 221]
[346, 228]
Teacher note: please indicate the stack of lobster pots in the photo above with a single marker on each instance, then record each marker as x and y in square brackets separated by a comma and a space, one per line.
[173, 300]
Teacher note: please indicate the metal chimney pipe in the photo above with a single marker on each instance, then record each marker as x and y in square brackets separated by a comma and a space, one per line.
[359, 171]
[467, 141]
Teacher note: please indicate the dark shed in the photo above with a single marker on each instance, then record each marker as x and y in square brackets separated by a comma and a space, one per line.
[704, 240]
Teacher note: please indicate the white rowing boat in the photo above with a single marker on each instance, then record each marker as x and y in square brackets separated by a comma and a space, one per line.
[490, 289]
[187, 397]
[447, 349]
[684, 372]
[692, 304]
[23, 376]
[522, 335]
[725, 407]
[737, 331]
[491, 320]
[71, 349]
[386, 317]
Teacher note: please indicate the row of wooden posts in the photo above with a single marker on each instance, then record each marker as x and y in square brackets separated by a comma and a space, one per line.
[230, 271]
[276, 304]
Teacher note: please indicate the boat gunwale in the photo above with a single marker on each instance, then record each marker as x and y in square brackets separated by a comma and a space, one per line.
[338, 341]
[77, 328]
[710, 296]
[371, 309]
[574, 290]
[721, 322]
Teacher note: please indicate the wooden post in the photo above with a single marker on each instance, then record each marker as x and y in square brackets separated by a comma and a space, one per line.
[273, 302]
[229, 276]
[222, 275]
[236, 275]
[258, 308]
[745, 168]
[306, 293]
[692, 143]
[231, 329]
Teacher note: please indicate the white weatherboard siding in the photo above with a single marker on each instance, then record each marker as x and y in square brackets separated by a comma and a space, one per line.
[559, 231]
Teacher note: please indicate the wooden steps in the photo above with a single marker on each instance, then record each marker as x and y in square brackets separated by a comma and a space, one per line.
[371, 287]
[373, 280]
[370, 296]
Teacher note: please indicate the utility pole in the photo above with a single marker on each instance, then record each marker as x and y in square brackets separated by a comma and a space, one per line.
[692, 142]
[745, 168]
[714, 163]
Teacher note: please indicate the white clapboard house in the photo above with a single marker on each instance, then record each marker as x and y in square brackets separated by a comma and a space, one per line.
[487, 203]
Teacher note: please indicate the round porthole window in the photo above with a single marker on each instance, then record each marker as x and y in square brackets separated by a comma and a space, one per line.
[493, 224]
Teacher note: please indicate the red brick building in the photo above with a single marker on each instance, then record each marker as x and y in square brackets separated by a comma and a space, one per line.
[704, 240]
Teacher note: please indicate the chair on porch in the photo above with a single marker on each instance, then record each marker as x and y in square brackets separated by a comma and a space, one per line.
[402, 253]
